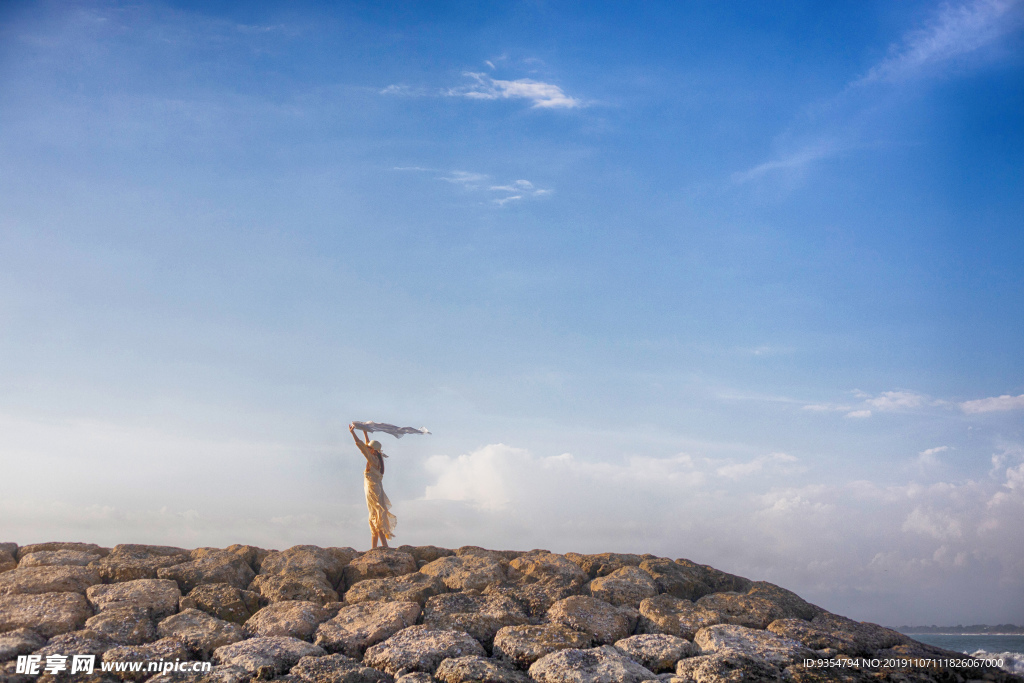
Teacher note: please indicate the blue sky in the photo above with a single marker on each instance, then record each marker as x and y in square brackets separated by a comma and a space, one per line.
[736, 284]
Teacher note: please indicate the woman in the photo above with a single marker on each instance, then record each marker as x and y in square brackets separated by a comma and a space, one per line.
[382, 522]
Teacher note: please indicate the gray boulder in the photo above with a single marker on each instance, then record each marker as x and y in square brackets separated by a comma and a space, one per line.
[131, 561]
[223, 601]
[47, 579]
[681, 581]
[200, 632]
[414, 587]
[742, 610]
[20, 641]
[416, 677]
[603, 564]
[379, 563]
[209, 565]
[309, 559]
[39, 547]
[252, 555]
[336, 668]
[716, 579]
[774, 649]
[266, 657]
[217, 674]
[159, 596]
[357, 627]
[674, 616]
[605, 622]
[7, 561]
[84, 642]
[166, 649]
[126, 625]
[657, 651]
[296, 618]
[420, 648]
[839, 633]
[48, 614]
[481, 616]
[597, 665]
[732, 665]
[524, 645]
[475, 669]
[791, 604]
[469, 572]
[625, 587]
[425, 554]
[56, 558]
[311, 586]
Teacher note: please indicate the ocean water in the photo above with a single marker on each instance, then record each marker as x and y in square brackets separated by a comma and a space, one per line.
[1008, 648]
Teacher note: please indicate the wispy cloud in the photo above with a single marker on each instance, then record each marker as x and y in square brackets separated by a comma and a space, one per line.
[542, 95]
[927, 456]
[792, 163]
[993, 404]
[513, 191]
[743, 469]
[956, 31]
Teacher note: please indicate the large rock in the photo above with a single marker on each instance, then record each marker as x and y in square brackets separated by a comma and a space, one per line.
[166, 649]
[657, 651]
[481, 616]
[718, 580]
[200, 632]
[357, 627]
[723, 667]
[524, 645]
[838, 633]
[425, 554]
[48, 579]
[266, 657]
[597, 665]
[774, 649]
[474, 669]
[127, 625]
[379, 563]
[626, 587]
[420, 648]
[48, 614]
[605, 622]
[311, 586]
[9, 548]
[791, 604]
[603, 564]
[57, 558]
[160, 596]
[415, 587]
[84, 642]
[7, 561]
[539, 579]
[336, 668]
[296, 619]
[252, 555]
[223, 673]
[674, 616]
[20, 641]
[40, 547]
[742, 610]
[131, 561]
[223, 601]
[416, 677]
[681, 581]
[209, 565]
[306, 559]
[469, 572]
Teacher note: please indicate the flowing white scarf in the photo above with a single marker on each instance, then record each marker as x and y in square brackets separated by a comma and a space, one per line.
[397, 432]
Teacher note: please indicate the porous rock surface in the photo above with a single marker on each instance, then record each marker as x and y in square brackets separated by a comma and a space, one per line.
[357, 627]
[424, 614]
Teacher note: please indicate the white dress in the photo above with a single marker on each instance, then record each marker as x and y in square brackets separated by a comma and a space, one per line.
[382, 522]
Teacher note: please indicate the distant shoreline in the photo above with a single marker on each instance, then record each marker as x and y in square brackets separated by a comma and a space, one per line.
[973, 630]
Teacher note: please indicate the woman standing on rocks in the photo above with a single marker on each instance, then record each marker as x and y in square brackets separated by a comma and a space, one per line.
[382, 522]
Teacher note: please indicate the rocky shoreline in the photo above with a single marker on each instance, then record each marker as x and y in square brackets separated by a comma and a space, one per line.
[423, 614]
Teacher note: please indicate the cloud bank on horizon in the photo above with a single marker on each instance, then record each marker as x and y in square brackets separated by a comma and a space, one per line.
[734, 286]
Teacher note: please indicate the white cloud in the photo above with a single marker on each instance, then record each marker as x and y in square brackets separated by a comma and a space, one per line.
[737, 470]
[859, 413]
[993, 404]
[465, 178]
[927, 457]
[505, 200]
[792, 163]
[889, 401]
[958, 30]
[515, 191]
[543, 95]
